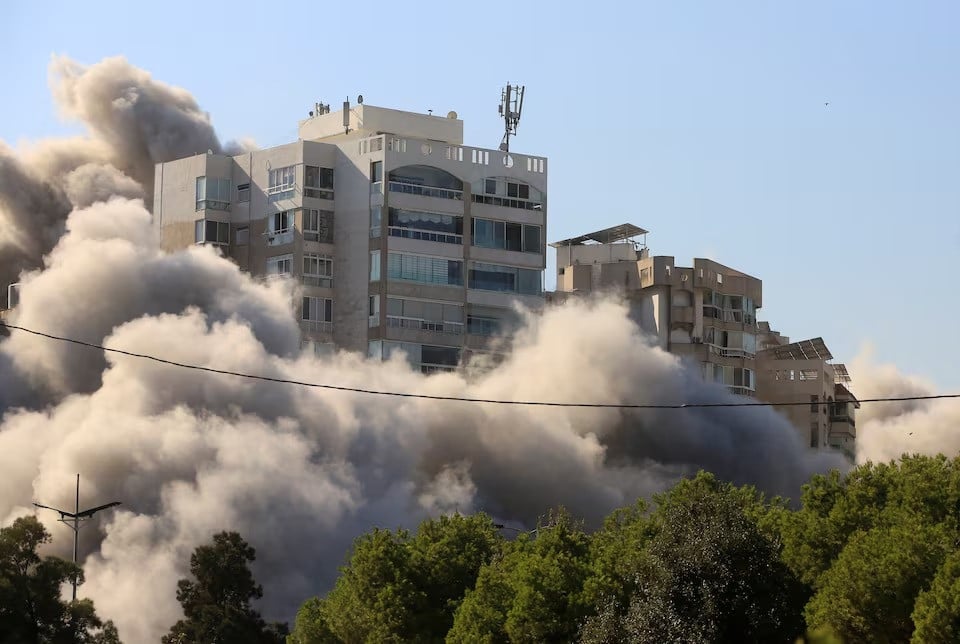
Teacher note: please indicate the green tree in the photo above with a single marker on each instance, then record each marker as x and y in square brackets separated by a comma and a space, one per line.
[399, 587]
[868, 594]
[709, 573]
[936, 613]
[216, 603]
[311, 625]
[31, 610]
[534, 593]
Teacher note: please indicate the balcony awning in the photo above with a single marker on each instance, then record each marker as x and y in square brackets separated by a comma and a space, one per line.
[605, 236]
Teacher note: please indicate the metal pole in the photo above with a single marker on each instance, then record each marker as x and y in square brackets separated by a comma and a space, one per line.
[76, 536]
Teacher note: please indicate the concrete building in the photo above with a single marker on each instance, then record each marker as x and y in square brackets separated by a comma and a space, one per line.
[823, 409]
[402, 238]
[705, 313]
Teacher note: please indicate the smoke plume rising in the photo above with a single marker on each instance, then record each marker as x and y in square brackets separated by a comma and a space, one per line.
[298, 471]
[133, 122]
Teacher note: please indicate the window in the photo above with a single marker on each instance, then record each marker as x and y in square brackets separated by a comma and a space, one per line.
[481, 325]
[507, 193]
[242, 236]
[280, 228]
[426, 270]
[317, 270]
[375, 214]
[317, 309]
[423, 315]
[283, 181]
[318, 225]
[506, 235]
[427, 226]
[279, 265]
[426, 181]
[376, 171]
[243, 192]
[492, 277]
[373, 311]
[317, 182]
[374, 266]
[211, 232]
[814, 434]
[213, 193]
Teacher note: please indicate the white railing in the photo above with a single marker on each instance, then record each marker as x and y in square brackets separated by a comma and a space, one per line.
[419, 324]
[425, 191]
[279, 237]
[283, 187]
[730, 352]
[316, 326]
[424, 235]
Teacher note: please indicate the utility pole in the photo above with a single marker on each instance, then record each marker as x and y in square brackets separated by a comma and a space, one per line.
[72, 520]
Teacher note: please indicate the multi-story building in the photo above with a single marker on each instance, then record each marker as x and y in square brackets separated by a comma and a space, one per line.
[402, 238]
[815, 394]
[705, 313]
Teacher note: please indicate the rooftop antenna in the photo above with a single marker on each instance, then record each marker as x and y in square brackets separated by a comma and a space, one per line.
[73, 522]
[511, 104]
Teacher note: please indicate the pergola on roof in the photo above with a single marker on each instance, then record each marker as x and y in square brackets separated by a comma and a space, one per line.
[814, 349]
[605, 236]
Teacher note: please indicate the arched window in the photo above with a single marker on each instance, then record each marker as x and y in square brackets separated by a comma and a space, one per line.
[427, 181]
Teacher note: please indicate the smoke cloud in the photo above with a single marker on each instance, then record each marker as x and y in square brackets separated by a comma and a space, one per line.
[887, 430]
[133, 122]
[298, 471]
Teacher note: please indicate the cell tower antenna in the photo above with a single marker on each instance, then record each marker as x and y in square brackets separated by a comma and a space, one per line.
[511, 105]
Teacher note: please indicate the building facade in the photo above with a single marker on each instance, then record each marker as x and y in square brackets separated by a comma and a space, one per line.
[401, 238]
[706, 313]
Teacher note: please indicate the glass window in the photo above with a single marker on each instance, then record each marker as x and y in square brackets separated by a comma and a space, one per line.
[283, 181]
[426, 226]
[280, 222]
[243, 192]
[211, 232]
[242, 236]
[490, 186]
[317, 182]
[513, 237]
[375, 223]
[317, 270]
[317, 309]
[318, 225]
[374, 266]
[280, 265]
[213, 193]
[426, 270]
[376, 171]
[531, 239]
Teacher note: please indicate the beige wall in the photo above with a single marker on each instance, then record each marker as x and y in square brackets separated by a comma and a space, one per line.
[367, 120]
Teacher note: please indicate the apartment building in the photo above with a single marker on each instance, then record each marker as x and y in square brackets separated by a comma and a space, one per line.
[821, 405]
[705, 313]
[400, 237]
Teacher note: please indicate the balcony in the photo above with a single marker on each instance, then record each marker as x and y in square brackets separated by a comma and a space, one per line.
[424, 235]
[425, 191]
[418, 324]
[730, 352]
[316, 326]
[279, 237]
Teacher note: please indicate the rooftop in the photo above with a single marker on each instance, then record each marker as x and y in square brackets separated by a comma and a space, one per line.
[813, 349]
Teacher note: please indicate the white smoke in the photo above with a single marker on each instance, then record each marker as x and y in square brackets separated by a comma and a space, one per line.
[298, 471]
[888, 430]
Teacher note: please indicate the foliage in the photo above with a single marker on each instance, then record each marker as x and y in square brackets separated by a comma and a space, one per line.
[936, 614]
[216, 603]
[402, 587]
[534, 593]
[31, 609]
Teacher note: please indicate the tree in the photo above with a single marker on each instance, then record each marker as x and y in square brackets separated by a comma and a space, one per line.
[708, 573]
[216, 604]
[31, 609]
[311, 625]
[534, 593]
[402, 587]
[936, 613]
[868, 594]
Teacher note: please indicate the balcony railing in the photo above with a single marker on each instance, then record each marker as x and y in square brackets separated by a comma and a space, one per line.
[425, 191]
[316, 326]
[279, 237]
[425, 235]
[731, 352]
[436, 368]
[317, 280]
[419, 324]
[283, 187]
[210, 204]
[318, 193]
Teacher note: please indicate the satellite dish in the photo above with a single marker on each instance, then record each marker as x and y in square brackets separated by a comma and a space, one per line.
[360, 99]
[451, 114]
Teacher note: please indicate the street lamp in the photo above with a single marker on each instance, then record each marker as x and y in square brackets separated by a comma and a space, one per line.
[73, 522]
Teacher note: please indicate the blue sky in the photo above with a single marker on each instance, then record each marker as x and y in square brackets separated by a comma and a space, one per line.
[703, 122]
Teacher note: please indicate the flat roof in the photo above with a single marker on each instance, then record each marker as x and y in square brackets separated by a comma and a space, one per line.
[605, 236]
[813, 349]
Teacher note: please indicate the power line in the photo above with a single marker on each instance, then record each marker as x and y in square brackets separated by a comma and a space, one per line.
[492, 401]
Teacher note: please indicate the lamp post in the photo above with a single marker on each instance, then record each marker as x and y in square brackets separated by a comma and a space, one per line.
[72, 520]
